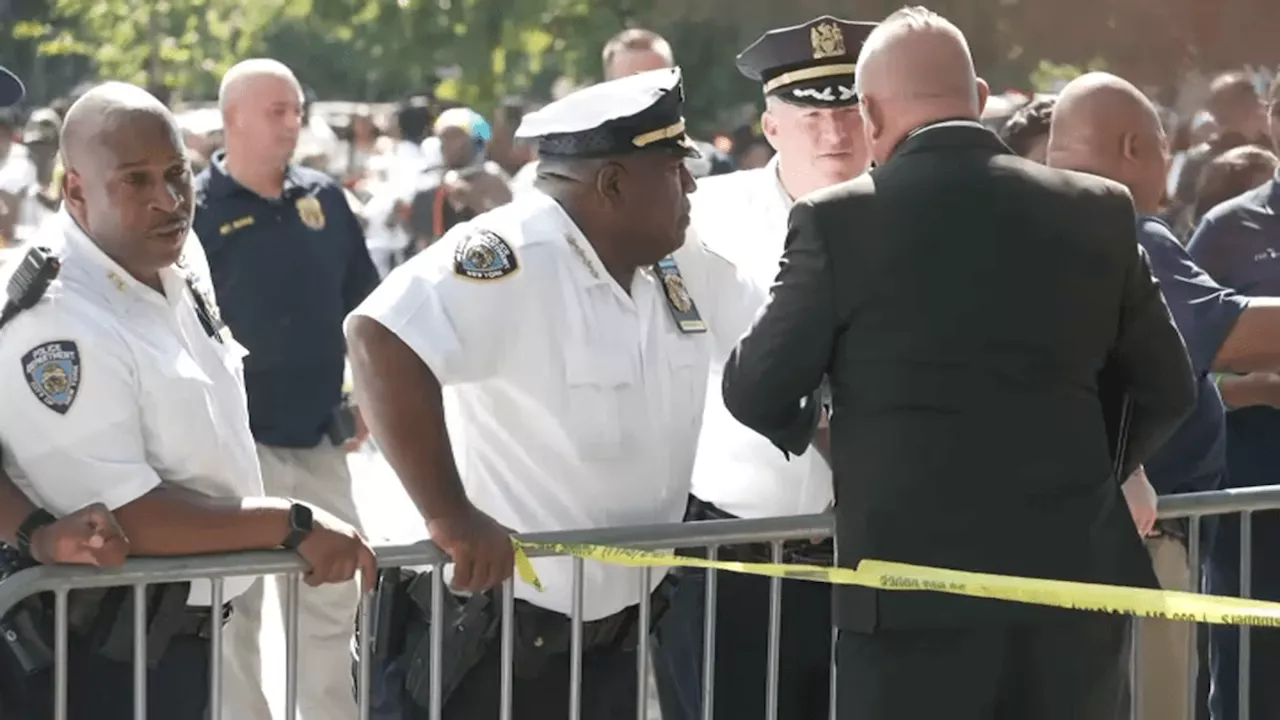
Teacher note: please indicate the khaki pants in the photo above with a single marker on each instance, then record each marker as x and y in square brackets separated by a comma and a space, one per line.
[1166, 656]
[326, 620]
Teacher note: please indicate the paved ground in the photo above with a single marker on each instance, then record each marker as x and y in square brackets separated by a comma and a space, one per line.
[388, 517]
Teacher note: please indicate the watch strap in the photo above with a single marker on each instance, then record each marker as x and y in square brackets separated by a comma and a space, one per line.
[301, 522]
[36, 520]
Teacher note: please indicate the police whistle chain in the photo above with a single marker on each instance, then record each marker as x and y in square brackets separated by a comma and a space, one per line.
[35, 272]
[1112, 599]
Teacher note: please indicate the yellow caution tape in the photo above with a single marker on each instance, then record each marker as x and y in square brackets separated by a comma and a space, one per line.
[1114, 599]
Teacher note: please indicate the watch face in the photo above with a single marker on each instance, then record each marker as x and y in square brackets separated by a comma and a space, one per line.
[301, 518]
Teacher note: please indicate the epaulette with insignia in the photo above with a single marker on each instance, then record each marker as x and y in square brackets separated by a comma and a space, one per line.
[484, 255]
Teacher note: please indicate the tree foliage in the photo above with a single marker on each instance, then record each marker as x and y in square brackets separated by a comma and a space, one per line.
[482, 51]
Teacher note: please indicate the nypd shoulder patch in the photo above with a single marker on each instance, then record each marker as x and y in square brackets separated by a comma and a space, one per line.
[53, 374]
[484, 255]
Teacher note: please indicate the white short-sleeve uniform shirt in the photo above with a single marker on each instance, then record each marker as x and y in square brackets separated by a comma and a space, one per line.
[743, 216]
[572, 403]
[110, 387]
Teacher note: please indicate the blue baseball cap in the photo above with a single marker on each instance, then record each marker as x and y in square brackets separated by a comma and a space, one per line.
[11, 89]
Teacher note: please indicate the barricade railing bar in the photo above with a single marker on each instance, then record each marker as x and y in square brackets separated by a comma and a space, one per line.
[711, 535]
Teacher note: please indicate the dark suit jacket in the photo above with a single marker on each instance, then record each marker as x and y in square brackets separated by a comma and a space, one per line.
[965, 304]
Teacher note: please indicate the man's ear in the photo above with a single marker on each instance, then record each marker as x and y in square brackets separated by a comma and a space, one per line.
[984, 93]
[872, 118]
[769, 126]
[609, 179]
[72, 189]
[1129, 149]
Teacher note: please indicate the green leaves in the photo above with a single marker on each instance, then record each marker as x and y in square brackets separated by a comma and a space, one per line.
[487, 50]
[184, 44]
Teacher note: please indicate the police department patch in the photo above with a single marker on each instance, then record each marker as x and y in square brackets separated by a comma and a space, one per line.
[484, 255]
[53, 374]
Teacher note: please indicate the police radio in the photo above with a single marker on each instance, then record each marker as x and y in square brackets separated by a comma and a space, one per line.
[35, 272]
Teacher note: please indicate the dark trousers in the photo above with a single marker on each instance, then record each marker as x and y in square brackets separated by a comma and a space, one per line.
[1072, 669]
[742, 649]
[1224, 643]
[609, 683]
[101, 689]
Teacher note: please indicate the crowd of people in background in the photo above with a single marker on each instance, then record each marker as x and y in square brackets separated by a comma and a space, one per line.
[416, 168]
[412, 171]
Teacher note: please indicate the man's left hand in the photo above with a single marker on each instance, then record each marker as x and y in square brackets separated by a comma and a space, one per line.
[362, 432]
[1142, 501]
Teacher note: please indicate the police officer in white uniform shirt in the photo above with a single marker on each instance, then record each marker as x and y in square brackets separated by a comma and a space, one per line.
[573, 335]
[122, 387]
[812, 121]
[89, 536]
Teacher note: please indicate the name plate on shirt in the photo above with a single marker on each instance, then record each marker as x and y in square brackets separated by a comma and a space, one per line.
[683, 309]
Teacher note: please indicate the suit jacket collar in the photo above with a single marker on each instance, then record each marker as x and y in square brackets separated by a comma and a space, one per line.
[949, 133]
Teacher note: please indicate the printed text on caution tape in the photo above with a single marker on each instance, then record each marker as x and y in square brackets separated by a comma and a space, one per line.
[1138, 602]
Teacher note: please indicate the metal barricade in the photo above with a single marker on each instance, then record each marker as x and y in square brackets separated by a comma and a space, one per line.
[139, 573]
[1194, 507]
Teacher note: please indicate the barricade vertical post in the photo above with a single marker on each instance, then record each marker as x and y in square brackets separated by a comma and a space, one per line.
[832, 690]
[60, 654]
[709, 638]
[775, 637]
[642, 645]
[575, 644]
[217, 593]
[292, 589]
[1193, 651]
[436, 708]
[508, 647]
[140, 658]
[1135, 682]
[365, 640]
[1246, 590]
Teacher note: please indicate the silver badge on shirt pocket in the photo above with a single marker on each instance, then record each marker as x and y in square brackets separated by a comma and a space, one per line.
[683, 310]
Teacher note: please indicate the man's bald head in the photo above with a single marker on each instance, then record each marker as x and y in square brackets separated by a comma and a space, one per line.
[914, 69]
[104, 110]
[245, 74]
[128, 181]
[262, 105]
[1104, 125]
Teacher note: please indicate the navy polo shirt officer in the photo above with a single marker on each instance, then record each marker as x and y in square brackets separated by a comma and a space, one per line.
[288, 261]
[1238, 243]
[1104, 125]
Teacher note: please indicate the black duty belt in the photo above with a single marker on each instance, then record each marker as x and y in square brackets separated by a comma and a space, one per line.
[800, 552]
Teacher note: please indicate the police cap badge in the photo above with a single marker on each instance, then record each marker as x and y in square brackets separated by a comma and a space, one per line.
[53, 374]
[810, 65]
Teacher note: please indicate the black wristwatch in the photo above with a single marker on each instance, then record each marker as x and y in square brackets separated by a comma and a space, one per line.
[301, 522]
[36, 520]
